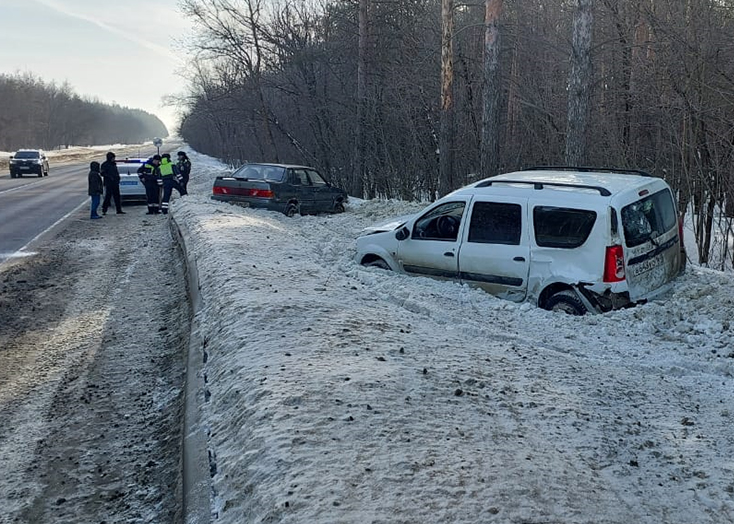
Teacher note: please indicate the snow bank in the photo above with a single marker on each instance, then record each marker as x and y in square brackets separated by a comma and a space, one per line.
[339, 393]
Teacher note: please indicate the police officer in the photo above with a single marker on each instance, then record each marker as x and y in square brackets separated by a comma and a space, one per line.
[111, 177]
[169, 172]
[150, 175]
[184, 170]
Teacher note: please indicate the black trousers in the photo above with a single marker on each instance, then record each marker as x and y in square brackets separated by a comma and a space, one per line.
[152, 194]
[110, 192]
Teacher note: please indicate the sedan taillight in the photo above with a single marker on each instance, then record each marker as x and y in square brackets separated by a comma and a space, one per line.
[247, 192]
[614, 264]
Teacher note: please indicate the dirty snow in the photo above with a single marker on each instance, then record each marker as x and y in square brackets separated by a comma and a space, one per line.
[338, 393]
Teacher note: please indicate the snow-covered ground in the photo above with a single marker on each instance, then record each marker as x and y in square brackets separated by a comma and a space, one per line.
[338, 393]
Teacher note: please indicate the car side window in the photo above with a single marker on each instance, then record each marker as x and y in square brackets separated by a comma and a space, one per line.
[316, 179]
[301, 178]
[562, 227]
[496, 223]
[440, 223]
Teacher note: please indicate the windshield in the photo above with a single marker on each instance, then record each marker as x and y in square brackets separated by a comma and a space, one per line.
[260, 172]
[648, 218]
[26, 154]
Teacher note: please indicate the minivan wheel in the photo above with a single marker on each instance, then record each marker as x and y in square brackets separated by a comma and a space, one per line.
[567, 302]
[378, 262]
[339, 207]
[40, 173]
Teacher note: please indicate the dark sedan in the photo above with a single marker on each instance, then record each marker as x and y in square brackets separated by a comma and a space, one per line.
[289, 189]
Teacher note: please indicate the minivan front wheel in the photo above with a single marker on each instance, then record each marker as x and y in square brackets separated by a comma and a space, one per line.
[377, 262]
[566, 302]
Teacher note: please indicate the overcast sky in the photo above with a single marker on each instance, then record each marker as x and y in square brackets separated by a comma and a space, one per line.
[121, 51]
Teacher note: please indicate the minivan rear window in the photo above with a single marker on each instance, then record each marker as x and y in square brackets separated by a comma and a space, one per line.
[562, 227]
[648, 218]
[496, 223]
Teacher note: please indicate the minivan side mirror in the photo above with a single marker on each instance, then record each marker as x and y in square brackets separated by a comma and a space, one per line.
[11, 157]
[402, 233]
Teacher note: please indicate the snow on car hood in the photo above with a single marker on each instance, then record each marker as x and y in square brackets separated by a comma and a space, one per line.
[392, 225]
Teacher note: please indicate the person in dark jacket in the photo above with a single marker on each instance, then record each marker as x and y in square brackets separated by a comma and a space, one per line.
[111, 177]
[96, 187]
[184, 170]
[150, 175]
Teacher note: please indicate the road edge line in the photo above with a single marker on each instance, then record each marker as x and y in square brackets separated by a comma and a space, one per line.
[195, 458]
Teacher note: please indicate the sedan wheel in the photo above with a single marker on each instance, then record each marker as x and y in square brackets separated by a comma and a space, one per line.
[291, 210]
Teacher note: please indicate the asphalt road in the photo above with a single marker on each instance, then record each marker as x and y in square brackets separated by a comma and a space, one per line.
[32, 206]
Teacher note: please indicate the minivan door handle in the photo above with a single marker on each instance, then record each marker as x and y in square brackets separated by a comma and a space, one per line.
[519, 259]
[448, 254]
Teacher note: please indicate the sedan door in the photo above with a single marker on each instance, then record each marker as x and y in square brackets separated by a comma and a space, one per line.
[432, 249]
[324, 194]
[304, 190]
[495, 255]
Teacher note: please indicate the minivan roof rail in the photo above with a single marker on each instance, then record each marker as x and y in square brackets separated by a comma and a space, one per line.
[586, 169]
[603, 191]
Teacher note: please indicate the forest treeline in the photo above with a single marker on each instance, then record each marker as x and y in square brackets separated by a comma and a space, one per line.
[378, 97]
[37, 114]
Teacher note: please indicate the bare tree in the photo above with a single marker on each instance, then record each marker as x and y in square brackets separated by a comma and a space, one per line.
[446, 134]
[359, 155]
[490, 149]
[579, 84]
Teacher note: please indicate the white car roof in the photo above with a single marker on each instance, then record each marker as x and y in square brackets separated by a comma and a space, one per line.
[605, 184]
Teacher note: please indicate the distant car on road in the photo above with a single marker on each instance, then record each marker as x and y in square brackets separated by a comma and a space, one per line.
[289, 189]
[27, 162]
[131, 188]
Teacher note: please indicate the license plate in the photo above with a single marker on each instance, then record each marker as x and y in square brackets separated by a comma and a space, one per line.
[128, 183]
[646, 265]
[25, 167]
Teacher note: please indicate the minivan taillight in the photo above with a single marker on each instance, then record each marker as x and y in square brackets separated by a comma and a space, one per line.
[614, 264]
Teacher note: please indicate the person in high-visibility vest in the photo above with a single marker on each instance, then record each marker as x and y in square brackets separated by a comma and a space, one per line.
[150, 175]
[169, 172]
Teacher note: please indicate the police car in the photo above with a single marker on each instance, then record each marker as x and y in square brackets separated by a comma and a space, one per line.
[131, 188]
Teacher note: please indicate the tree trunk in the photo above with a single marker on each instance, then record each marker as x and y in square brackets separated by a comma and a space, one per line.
[490, 149]
[359, 156]
[579, 84]
[446, 133]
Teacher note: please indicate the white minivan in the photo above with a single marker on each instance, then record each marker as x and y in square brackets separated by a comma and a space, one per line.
[569, 239]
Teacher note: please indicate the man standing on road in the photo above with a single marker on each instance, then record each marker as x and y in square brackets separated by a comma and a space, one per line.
[111, 183]
[96, 186]
[150, 175]
[168, 175]
[184, 169]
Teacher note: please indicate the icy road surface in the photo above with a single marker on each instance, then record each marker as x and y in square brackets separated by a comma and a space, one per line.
[92, 330]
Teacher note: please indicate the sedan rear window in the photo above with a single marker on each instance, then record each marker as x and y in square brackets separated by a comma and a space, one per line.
[260, 172]
[648, 218]
[562, 227]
